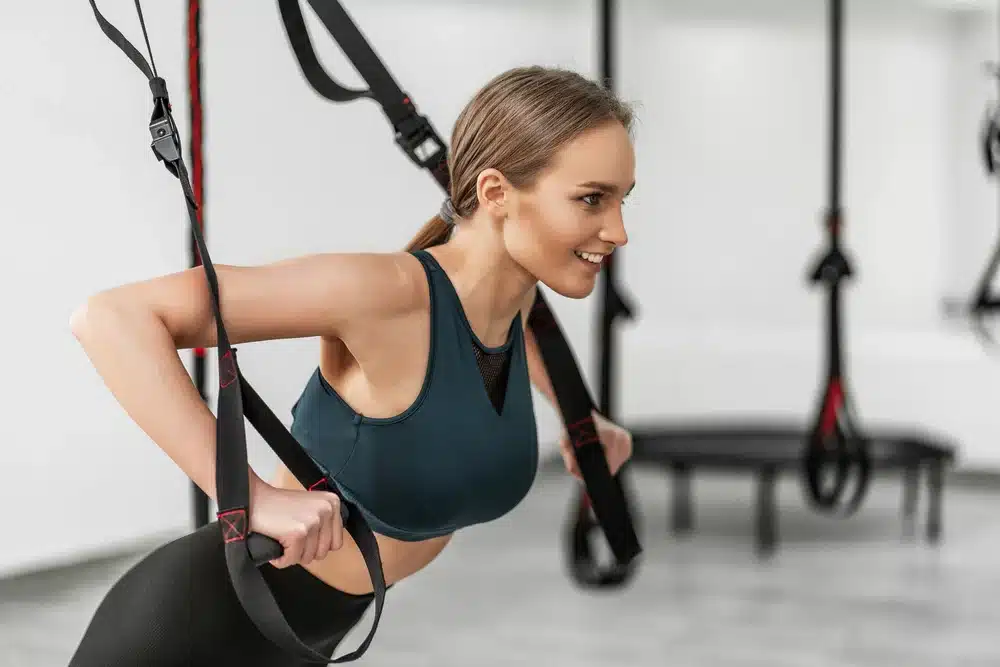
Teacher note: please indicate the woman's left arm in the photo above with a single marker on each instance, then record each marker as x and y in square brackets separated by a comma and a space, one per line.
[616, 440]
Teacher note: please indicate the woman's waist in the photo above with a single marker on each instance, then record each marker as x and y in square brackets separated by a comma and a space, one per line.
[345, 568]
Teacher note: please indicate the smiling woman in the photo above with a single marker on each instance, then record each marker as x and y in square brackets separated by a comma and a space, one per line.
[420, 408]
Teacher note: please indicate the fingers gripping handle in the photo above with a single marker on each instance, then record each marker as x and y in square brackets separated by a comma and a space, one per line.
[264, 549]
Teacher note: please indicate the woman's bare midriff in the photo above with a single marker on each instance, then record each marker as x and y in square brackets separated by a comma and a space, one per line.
[345, 569]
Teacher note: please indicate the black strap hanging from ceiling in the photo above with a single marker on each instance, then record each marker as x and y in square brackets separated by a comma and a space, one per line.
[421, 143]
[835, 450]
[244, 550]
[583, 564]
[984, 301]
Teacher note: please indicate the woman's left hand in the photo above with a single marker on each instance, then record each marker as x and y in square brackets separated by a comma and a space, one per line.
[616, 441]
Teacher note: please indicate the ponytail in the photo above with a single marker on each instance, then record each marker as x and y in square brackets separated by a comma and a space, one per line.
[434, 232]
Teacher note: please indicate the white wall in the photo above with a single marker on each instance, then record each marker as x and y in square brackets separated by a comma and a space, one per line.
[727, 215]
[723, 224]
[84, 206]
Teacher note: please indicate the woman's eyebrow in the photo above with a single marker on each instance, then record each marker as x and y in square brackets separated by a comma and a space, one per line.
[609, 188]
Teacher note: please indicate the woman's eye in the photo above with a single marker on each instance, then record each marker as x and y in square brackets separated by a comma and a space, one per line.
[592, 199]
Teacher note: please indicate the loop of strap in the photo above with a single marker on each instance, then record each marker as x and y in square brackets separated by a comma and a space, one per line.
[834, 444]
[835, 448]
[414, 133]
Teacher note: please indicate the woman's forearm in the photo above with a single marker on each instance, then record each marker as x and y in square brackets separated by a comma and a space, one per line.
[134, 354]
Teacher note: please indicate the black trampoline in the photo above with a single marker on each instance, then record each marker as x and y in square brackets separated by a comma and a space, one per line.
[768, 450]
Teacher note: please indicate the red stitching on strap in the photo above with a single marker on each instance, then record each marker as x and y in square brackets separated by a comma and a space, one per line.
[234, 525]
[227, 370]
[583, 432]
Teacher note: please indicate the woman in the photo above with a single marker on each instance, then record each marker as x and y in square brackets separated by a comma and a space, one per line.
[420, 406]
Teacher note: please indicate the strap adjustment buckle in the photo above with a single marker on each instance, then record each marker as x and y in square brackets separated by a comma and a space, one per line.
[419, 141]
[166, 146]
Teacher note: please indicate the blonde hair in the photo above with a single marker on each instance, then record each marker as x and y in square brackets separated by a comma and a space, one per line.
[516, 124]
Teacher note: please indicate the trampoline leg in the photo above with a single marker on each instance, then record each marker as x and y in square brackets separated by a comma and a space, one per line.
[682, 517]
[911, 488]
[936, 487]
[767, 520]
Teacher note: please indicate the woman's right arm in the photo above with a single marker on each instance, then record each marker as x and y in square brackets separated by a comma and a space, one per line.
[132, 334]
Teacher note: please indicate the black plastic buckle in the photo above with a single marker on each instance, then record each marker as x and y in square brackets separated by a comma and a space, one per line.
[165, 143]
[832, 268]
[417, 138]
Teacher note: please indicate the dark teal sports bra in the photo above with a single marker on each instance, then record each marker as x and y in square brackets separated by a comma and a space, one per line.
[448, 461]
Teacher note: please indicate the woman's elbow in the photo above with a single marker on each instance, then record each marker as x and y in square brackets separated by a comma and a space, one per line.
[82, 316]
[100, 307]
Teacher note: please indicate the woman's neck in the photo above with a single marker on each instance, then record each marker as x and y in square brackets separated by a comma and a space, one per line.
[490, 284]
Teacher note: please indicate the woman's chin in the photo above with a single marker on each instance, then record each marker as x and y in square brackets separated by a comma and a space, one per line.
[572, 287]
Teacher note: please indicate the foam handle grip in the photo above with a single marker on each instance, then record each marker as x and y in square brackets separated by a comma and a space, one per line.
[264, 549]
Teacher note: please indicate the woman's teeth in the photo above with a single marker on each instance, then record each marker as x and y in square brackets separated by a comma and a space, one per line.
[589, 256]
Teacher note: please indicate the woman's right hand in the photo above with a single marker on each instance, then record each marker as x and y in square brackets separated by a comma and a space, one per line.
[307, 524]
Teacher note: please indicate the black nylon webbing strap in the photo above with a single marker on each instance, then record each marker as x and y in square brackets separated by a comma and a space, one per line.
[605, 494]
[835, 447]
[985, 303]
[414, 133]
[245, 550]
[422, 144]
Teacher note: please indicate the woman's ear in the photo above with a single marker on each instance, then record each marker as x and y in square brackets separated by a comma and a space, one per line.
[493, 192]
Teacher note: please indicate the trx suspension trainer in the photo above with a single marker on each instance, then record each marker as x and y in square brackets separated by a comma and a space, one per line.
[245, 551]
[984, 301]
[835, 446]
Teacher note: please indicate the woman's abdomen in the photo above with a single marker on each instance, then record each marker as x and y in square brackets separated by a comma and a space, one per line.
[345, 568]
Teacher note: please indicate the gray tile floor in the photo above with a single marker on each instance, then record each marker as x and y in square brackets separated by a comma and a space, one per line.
[846, 593]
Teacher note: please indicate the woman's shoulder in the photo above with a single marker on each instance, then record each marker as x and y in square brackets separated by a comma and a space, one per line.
[379, 283]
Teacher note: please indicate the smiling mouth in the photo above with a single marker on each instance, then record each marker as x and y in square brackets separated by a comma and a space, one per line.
[591, 257]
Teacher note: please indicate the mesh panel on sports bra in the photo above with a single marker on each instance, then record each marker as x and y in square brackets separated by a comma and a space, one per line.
[494, 368]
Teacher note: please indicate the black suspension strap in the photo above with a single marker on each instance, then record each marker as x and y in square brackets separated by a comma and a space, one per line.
[835, 448]
[984, 301]
[583, 564]
[421, 143]
[245, 550]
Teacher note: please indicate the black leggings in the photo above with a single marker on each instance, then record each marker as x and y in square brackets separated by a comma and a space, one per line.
[177, 608]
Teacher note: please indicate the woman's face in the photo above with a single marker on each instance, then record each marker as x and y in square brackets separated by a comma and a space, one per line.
[571, 220]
